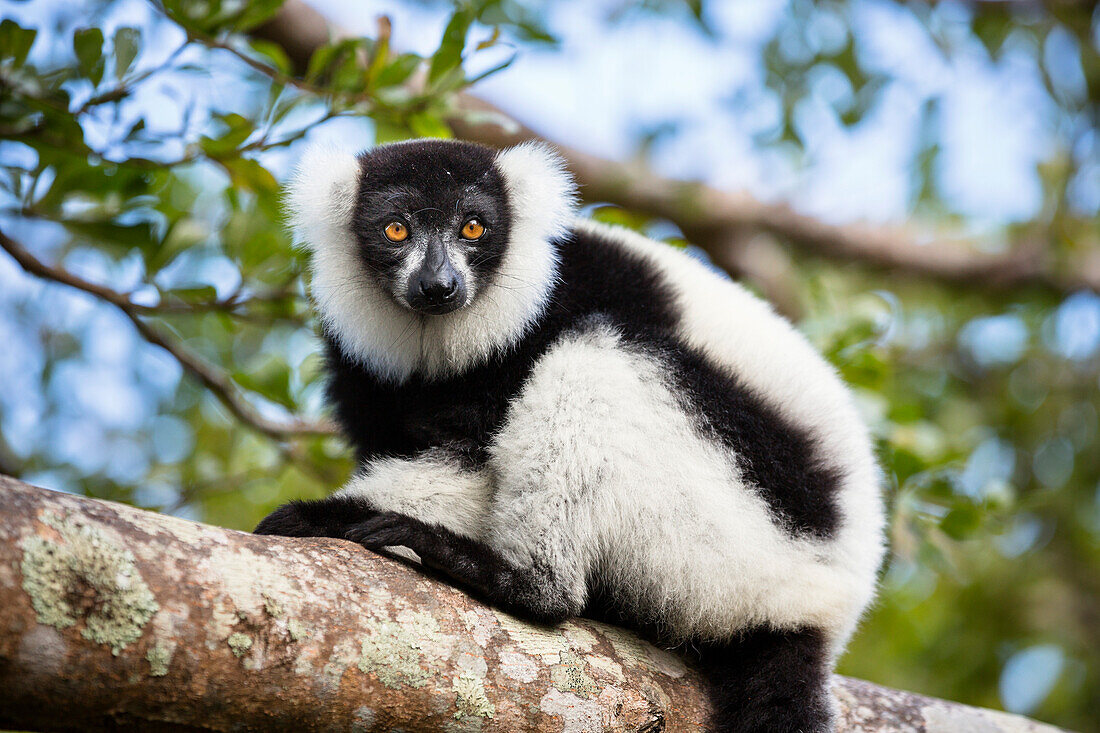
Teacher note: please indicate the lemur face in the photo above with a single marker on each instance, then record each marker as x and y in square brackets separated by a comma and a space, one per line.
[429, 255]
[431, 222]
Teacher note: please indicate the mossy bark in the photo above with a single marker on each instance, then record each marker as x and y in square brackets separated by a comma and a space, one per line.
[112, 617]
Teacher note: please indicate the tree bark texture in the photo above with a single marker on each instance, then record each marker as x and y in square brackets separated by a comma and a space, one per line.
[116, 618]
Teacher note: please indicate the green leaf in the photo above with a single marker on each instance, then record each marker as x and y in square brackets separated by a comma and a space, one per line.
[274, 53]
[88, 45]
[215, 16]
[196, 295]
[380, 53]
[495, 69]
[398, 71]
[256, 12]
[237, 130]
[247, 173]
[992, 27]
[105, 232]
[490, 41]
[425, 124]
[390, 131]
[271, 380]
[339, 65]
[126, 44]
[448, 56]
[15, 42]
[961, 522]
[135, 131]
[320, 60]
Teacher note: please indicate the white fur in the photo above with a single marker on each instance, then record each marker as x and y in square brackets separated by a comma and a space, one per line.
[598, 466]
[385, 336]
[433, 488]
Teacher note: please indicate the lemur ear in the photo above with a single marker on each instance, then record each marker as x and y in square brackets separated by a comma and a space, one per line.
[541, 190]
[320, 197]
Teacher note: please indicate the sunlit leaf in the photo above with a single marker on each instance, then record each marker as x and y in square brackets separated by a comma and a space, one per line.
[274, 53]
[429, 125]
[449, 55]
[249, 174]
[126, 44]
[270, 379]
[398, 71]
[236, 129]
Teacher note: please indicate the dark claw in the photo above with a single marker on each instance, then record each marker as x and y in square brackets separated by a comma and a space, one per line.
[383, 530]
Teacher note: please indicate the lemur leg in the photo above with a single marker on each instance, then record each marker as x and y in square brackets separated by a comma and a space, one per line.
[433, 487]
[769, 681]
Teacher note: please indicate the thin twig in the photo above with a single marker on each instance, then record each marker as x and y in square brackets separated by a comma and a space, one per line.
[216, 381]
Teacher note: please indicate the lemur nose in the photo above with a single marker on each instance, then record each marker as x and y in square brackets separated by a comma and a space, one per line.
[439, 291]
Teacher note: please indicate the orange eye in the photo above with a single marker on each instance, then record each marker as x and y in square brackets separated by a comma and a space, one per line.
[396, 231]
[472, 229]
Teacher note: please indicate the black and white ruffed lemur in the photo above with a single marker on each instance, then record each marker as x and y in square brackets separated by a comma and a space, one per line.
[571, 419]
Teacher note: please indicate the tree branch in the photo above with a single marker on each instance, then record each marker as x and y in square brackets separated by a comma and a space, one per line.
[712, 218]
[217, 382]
[116, 618]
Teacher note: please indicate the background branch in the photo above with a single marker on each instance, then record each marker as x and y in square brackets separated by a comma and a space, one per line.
[712, 218]
[216, 381]
[115, 618]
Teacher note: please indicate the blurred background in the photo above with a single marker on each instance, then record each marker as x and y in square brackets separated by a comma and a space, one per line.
[917, 185]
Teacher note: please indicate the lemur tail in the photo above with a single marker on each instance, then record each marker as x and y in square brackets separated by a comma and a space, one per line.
[769, 681]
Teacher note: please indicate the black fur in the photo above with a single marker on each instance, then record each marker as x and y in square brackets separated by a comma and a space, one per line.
[598, 279]
[329, 517]
[531, 593]
[766, 680]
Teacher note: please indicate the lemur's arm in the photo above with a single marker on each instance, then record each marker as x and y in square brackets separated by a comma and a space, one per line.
[530, 588]
[434, 487]
[440, 509]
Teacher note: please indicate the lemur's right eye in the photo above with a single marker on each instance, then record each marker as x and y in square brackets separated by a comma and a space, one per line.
[396, 231]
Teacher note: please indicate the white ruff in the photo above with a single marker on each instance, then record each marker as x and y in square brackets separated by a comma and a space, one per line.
[387, 338]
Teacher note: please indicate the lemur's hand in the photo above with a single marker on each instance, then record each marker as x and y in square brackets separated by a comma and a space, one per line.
[331, 517]
[286, 521]
[388, 529]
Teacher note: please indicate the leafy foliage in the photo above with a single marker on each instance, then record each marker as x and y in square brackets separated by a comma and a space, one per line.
[139, 172]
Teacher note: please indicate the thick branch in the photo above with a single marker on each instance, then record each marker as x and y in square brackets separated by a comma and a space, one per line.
[112, 617]
[714, 218]
[214, 380]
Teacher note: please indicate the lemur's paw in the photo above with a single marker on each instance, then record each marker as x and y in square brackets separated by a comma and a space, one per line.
[387, 529]
[287, 521]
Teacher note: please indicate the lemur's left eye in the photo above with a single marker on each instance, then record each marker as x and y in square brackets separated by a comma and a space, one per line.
[396, 231]
[473, 229]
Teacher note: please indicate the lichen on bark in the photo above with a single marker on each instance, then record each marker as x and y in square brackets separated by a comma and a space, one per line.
[159, 657]
[81, 574]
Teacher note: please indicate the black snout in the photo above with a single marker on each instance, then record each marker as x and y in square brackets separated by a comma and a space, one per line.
[439, 290]
[437, 287]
